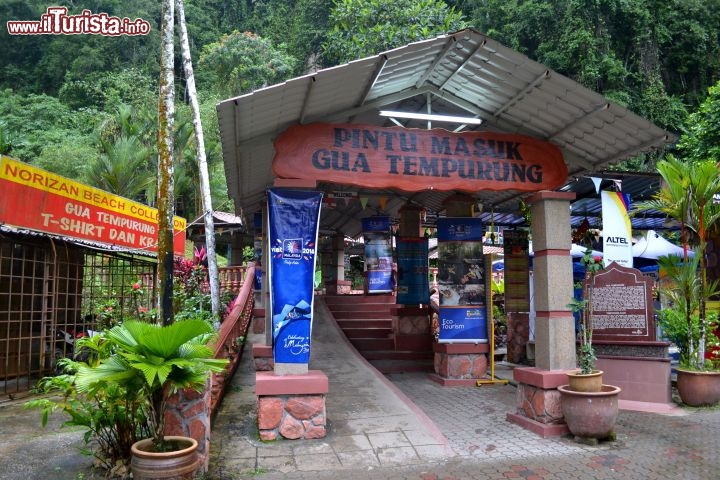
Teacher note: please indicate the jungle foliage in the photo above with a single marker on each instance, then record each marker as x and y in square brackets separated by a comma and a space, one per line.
[82, 105]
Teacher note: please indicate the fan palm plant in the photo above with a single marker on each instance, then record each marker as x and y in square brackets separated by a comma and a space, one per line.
[687, 195]
[157, 361]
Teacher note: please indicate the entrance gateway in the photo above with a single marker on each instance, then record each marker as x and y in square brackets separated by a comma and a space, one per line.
[463, 73]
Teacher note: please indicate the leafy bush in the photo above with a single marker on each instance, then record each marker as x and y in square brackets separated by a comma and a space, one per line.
[113, 416]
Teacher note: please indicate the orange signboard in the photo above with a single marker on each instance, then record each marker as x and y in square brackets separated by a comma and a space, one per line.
[40, 200]
[414, 160]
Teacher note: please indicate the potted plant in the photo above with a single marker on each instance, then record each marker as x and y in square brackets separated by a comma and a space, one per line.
[586, 378]
[112, 415]
[590, 408]
[157, 361]
[698, 382]
[687, 195]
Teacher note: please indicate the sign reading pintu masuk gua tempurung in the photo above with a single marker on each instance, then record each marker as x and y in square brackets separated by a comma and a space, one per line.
[413, 160]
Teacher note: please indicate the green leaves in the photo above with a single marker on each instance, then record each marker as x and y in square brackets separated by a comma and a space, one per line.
[154, 361]
[241, 62]
[363, 28]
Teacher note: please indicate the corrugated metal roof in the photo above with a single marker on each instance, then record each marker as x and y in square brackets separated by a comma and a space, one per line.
[104, 247]
[457, 74]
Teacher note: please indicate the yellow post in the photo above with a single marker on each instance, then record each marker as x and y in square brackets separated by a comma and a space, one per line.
[491, 380]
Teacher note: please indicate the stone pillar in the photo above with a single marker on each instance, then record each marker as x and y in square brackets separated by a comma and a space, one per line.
[410, 221]
[518, 336]
[265, 283]
[236, 249]
[411, 323]
[538, 400]
[459, 205]
[334, 262]
[291, 406]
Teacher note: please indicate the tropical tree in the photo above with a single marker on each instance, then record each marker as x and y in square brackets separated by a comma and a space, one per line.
[704, 217]
[687, 196]
[166, 148]
[366, 27]
[299, 26]
[6, 141]
[701, 139]
[123, 169]
[672, 198]
[241, 62]
[207, 209]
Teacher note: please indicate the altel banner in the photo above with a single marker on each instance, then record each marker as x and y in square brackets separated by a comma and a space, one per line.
[413, 160]
[617, 229]
[293, 232]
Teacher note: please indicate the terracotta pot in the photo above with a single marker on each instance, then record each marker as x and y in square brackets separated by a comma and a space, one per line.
[178, 465]
[698, 388]
[590, 414]
[589, 382]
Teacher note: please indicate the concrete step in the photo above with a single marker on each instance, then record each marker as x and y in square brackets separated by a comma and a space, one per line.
[387, 366]
[361, 313]
[372, 344]
[353, 333]
[359, 299]
[390, 354]
[365, 323]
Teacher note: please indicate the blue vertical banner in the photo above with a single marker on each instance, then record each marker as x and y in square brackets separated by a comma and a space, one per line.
[413, 286]
[462, 281]
[378, 254]
[292, 239]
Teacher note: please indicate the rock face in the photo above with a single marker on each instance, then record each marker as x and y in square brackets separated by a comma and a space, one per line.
[292, 417]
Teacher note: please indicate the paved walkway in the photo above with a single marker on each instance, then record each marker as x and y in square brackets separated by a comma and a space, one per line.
[412, 428]
[400, 427]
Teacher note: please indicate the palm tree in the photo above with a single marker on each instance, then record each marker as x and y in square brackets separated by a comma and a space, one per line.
[673, 198]
[687, 195]
[123, 169]
[703, 218]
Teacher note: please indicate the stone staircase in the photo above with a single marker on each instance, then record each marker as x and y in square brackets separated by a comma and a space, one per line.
[367, 323]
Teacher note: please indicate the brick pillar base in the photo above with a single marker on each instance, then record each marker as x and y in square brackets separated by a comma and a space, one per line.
[459, 364]
[538, 406]
[411, 328]
[291, 406]
[518, 335]
[188, 415]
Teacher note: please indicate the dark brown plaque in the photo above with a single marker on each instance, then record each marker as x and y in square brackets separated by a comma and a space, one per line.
[517, 270]
[621, 306]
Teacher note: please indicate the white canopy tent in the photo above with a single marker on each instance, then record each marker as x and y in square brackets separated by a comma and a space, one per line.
[653, 246]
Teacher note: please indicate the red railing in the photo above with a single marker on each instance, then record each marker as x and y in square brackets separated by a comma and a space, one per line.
[233, 333]
[231, 279]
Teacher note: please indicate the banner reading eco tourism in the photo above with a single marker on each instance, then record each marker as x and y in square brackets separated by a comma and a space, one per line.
[292, 237]
[461, 281]
[414, 160]
[617, 229]
[378, 254]
[39, 200]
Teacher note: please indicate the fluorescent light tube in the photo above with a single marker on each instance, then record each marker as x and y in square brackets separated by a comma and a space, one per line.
[431, 116]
